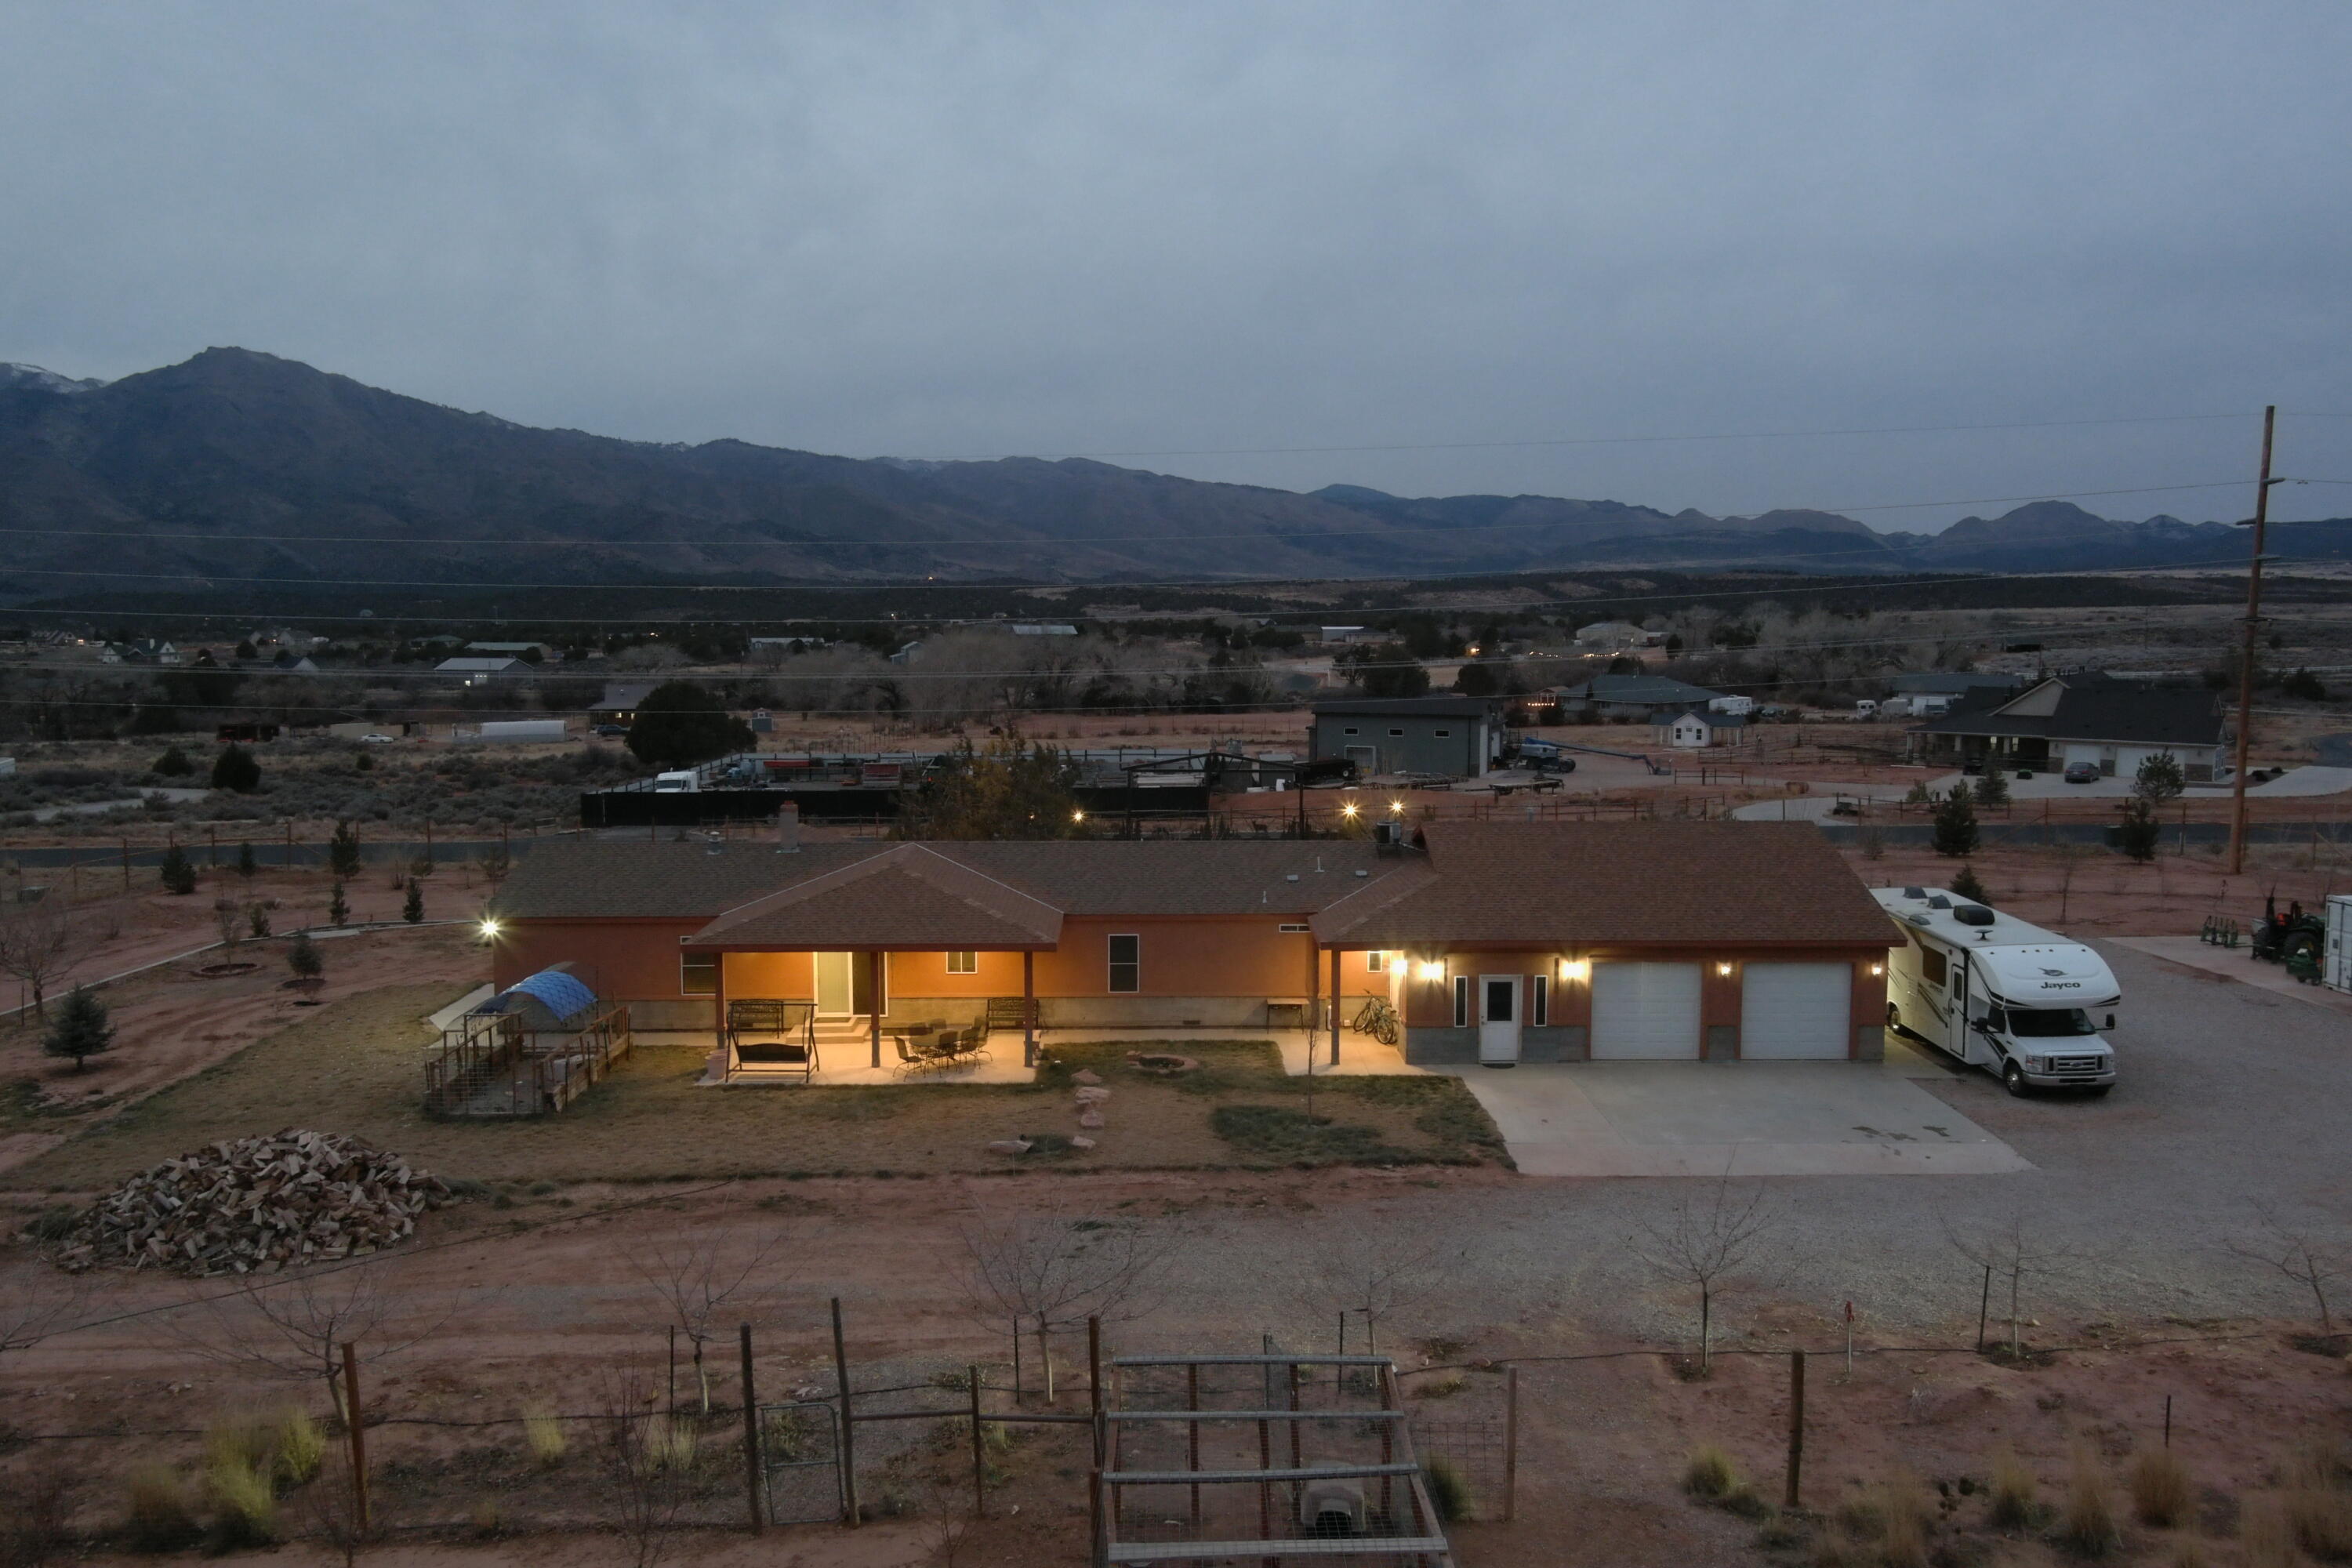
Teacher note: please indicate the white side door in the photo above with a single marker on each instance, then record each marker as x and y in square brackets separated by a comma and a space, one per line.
[1796, 1012]
[1498, 1020]
[1646, 1012]
[832, 984]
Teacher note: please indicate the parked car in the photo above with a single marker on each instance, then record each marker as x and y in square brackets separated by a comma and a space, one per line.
[2083, 772]
[375, 739]
[612, 731]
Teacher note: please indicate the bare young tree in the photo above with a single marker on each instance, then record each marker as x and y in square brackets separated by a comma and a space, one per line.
[1704, 1241]
[701, 1274]
[1047, 1272]
[2011, 1250]
[297, 1328]
[39, 944]
[1374, 1272]
[646, 1463]
[2303, 1254]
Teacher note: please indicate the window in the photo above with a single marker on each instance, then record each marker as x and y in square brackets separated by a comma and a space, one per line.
[1291, 929]
[697, 973]
[1932, 969]
[1396, 734]
[1349, 731]
[1443, 734]
[1376, 962]
[963, 963]
[1126, 963]
[1538, 1000]
[1461, 1000]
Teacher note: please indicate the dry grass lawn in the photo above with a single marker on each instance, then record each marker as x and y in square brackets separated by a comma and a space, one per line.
[357, 1066]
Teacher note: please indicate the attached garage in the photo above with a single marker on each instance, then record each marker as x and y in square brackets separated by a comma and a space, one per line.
[1646, 1012]
[1796, 1012]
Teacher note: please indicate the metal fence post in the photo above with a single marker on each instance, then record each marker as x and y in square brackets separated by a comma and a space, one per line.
[848, 1432]
[750, 1433]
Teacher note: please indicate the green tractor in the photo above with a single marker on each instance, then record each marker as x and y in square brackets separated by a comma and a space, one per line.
[2294, 939]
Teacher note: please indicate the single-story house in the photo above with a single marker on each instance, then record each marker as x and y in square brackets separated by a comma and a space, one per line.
[1349, 634]
[2084, 715]
[1691, 729]
[521, 650]
[1456, 736]
[492, 670]
[1632, 696]
[1614, 634]
[1500, 943]
[618, 705]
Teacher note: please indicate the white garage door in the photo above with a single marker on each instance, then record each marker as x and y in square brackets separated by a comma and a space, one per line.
[1646, 1012]
[1795, 1012]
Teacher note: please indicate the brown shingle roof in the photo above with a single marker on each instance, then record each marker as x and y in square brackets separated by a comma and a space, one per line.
[908, 896]
[587, 879]
[1586, 883]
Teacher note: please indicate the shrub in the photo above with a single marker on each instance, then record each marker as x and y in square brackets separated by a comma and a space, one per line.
[1709, 1472]
[1449, 1489]
[2320, 1517]
[2138, 832]
[178, 872]
[173, 764]
[157, 1514]
[1903, 1523]
[235, 770]
[1965, 885]
[302, 957]
[2015, 1493]
[1992, 789]
[2159, 1488]
[246, 864]
[1955, 834]
[244, 1503]
[339, 908]
[300, 1448]
[344, 851]
[2086, 1525]
[256, 918]
[411, 908]
[543, 1434]
[2268, 1536]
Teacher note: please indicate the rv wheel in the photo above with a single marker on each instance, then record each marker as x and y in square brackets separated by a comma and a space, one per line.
[2012, 1078]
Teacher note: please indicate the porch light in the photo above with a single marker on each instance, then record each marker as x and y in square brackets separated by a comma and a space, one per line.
[1077, 816]
[490, 927]
[1724, 970]
[1432, 971]
[1877, 969]
[1348, 811]
[1396, 808]
[1575, 969]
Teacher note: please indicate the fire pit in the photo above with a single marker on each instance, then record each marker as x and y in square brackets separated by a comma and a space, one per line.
[1163, 1065]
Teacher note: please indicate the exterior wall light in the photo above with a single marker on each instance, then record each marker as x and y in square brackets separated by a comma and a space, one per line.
[1348, 811]
[1396, 808]
[1724, 970]
[1432, 971]
[1077, 816]
[489, 928]
[1575, 969]
[1878, 969]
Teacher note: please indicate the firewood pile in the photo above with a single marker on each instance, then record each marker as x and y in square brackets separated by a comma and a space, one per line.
[255, 1206]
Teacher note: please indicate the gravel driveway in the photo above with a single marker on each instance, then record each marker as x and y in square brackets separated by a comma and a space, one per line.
[2227, 1094]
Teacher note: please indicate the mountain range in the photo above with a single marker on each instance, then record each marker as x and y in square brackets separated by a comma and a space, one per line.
[236, 465]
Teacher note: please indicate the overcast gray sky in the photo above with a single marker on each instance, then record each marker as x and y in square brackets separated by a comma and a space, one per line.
[973, 229]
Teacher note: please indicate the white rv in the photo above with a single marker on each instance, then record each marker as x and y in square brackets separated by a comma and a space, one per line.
[2023, 1004]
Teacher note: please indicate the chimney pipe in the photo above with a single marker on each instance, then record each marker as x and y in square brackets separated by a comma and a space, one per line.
[788, 828]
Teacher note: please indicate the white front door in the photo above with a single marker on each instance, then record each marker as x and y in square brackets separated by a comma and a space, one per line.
[1498, 1020]
[833, 984]
[1796, 1012]
[1646, 1012]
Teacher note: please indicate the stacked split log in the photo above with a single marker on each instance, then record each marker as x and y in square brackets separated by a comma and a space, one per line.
[255, 1205]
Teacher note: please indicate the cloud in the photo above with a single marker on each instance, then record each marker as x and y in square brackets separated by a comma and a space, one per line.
[973, 229]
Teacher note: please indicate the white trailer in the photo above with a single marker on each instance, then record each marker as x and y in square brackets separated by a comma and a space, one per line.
[2336, 961]
[521, 730]
[2023, 1004]
[1737, 706]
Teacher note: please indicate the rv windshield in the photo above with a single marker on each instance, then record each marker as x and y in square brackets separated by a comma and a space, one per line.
[2046, 1023]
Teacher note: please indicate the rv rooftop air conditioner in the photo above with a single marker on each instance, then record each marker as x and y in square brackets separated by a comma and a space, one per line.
[1939, 902]
[1973, 915]
[1914, 892]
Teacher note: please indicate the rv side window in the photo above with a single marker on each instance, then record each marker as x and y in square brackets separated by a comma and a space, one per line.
[1931, 967]
[1996, 1020]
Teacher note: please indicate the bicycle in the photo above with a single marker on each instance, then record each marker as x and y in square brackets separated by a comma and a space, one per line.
[1378, 1019]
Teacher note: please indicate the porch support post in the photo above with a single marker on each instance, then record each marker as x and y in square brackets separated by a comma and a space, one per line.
[874, 1001]
[1335, 1007]
[1028, 1009]
[718, 1015]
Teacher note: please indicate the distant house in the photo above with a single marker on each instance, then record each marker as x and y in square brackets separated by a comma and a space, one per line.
[2084, 715]
[495, 669]
[1632, 696]
[288, 662]
[521, 650]
[1692, 729]
[1349, 635]
[1455, 736]
[619, 703]
[1614, 634]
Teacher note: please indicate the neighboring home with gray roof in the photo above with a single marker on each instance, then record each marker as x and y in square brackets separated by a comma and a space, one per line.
[1632, 696]
[2082, 716]
[1692, 729]
[1494, 942]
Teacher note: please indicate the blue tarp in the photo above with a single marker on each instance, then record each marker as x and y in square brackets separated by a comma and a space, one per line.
[562, 994]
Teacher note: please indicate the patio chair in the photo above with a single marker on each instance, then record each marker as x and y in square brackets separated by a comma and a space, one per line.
[914, 1059]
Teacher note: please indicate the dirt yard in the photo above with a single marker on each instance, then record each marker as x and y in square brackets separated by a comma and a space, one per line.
[356, 1067]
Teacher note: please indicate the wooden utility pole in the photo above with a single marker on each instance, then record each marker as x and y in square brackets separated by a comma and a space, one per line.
[2259, 522]
[359, 1441]
[750, 1433]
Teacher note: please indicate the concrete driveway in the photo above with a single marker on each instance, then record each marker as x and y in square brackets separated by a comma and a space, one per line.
[1749, 1119]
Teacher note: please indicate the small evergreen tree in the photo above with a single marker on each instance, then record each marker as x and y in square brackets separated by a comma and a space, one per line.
[1966, 886]
[246, 867]
[344, 851]
[82, 1030]
[173, 764]
[1993, 788]
[412, 908]
[256, 917]
[303, 958]
[2160, 779]
[179, 872]
[2139, 831]
[1955, 823]
[339, 909]
[235, 770]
